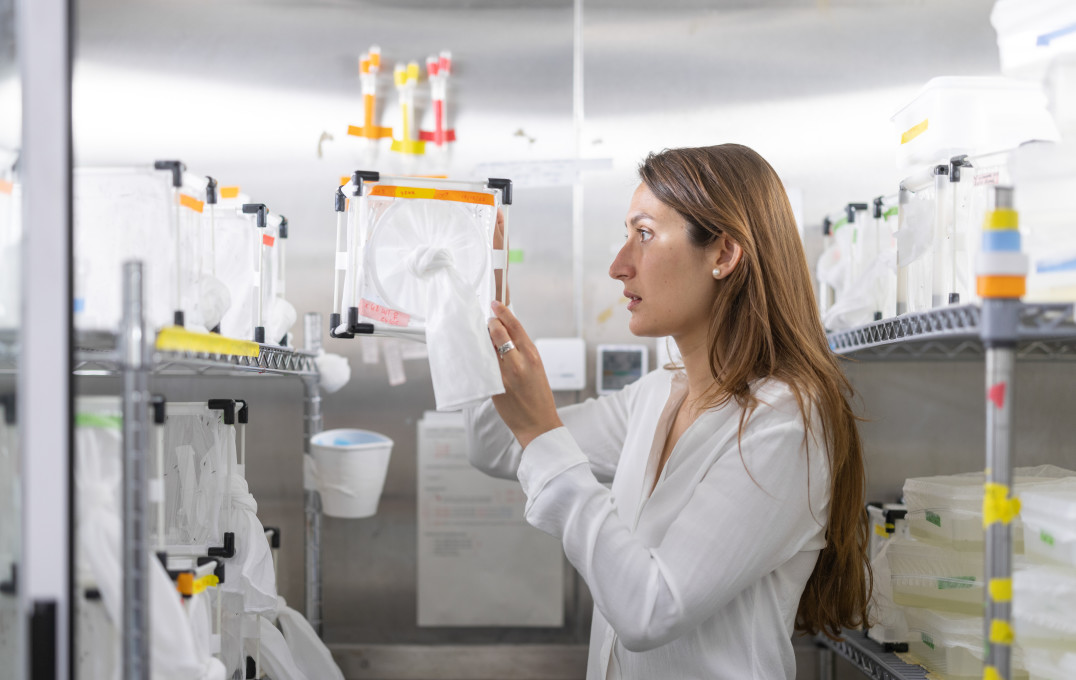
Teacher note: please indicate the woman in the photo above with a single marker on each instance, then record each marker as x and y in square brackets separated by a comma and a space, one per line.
[735, 515]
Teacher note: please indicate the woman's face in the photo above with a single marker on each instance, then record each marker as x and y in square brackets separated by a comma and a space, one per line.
[667, 280]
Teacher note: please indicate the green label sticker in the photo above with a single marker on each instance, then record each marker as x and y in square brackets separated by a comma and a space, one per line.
[1046, 538]
[515, 255]
[928, 641]
[934, 518]
[956, 583]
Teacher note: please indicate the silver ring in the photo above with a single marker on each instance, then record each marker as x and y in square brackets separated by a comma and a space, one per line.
[506, 348]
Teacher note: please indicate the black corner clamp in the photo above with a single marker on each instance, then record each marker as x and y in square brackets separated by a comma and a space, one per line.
[258, 209]
[282, 230]
[175, 167]
[157, 403]
[243, 414]
[339, 201]
[211, 191]
[273, 534]
[879, 203]
[851, 209]
[252, 668]
[955, 163]
[227, 550]
[505, 185]
[226, 405]
[827, 226]
[360, 176]
[353, 326]
[9, 401]
[178, 318]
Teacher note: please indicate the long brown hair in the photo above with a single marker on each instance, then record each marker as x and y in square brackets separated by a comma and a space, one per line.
[765, 324]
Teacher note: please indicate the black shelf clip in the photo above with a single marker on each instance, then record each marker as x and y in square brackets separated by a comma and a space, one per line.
[211, 191]
[334, 323]
[175, 167]
[360, 176]
[158, 403]
[879, 203]
[505, 185]
[273, 534]
[339, 200]
[851, 209]
[258, 209]
[227, 550]
[282, 230]
[226, 405]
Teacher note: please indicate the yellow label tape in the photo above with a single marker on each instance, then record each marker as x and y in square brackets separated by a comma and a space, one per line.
[208, 581]
[1001, 589]
[435, 194]
[1002, 219]
[176, 339]
[991, 673]
[997, 506]
[191, 202]
[914, 131]
[229, 192]
[880, 530]
[1000, 632]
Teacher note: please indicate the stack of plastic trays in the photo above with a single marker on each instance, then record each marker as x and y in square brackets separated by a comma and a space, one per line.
[1044, 592]
[951, 645]
[946, 510]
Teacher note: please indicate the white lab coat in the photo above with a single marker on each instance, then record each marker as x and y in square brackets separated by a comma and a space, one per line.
[703, 578]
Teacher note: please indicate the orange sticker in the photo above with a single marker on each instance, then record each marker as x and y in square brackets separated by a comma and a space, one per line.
[268, 240]
[191, 202]
[344, 179]
[6, 187]
[435, 194]
[229, 192]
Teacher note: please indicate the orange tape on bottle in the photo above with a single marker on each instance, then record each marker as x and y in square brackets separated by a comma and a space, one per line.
[1001, 286]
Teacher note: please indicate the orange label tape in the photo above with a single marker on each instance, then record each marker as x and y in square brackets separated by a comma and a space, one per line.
[268, 240]
[229, 192]
[435, 194]
[191, 202]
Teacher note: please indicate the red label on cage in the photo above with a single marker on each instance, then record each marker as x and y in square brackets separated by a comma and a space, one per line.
[268, 240]
[372, 310]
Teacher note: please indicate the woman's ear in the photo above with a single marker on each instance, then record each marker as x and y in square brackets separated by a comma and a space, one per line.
[726, 255]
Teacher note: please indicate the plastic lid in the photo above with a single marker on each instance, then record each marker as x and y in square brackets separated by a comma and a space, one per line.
[348, 438]
[1056, 498]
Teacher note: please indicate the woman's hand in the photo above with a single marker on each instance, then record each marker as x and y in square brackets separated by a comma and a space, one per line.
[527, 405]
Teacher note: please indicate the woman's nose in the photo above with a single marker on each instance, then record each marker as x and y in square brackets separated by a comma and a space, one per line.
[621, 268]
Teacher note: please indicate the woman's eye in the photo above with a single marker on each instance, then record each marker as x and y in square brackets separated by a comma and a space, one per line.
[645, 235]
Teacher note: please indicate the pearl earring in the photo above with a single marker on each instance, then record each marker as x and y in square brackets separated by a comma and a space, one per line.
[717, 272]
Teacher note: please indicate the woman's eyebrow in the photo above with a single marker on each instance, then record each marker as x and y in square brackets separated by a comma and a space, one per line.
[636, 218]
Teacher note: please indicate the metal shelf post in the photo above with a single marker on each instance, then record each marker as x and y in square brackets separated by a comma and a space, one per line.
[135, 565]
[312, 424]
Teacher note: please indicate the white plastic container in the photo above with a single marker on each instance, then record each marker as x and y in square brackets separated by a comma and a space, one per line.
[351, 466]
[953, 116]
[1032, 33]
[949, 645]
[925, 575]
[946, 510]
[1045, 179]
[1047, 665]
[1049, 514]
[1044, 598]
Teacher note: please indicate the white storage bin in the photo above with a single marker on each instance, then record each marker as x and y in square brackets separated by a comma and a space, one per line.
[925, 575]
[954, 116]
[948, 645]
[946, 510]
[1032, 33]
[1044, 599]
[237, 243]
[1045, 179]
[1049, 514]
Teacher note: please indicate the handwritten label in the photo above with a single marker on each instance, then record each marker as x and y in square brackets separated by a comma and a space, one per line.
[372, 310]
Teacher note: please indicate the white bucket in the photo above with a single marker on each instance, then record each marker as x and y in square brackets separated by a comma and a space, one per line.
[351, 470]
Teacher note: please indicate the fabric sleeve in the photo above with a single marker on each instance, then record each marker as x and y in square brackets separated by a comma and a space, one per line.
[598, 427]
[735, 528]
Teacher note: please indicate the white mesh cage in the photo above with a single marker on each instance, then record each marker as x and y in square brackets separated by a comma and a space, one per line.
[238, 241]
[395, 218]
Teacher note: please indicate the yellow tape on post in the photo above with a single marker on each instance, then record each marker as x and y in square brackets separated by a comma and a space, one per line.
[991, 673]
[176, 339]
[1000, 633]
[997, 506]
[1001, 589]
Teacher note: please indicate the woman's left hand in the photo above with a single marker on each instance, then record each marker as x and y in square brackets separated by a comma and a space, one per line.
[527, 405]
